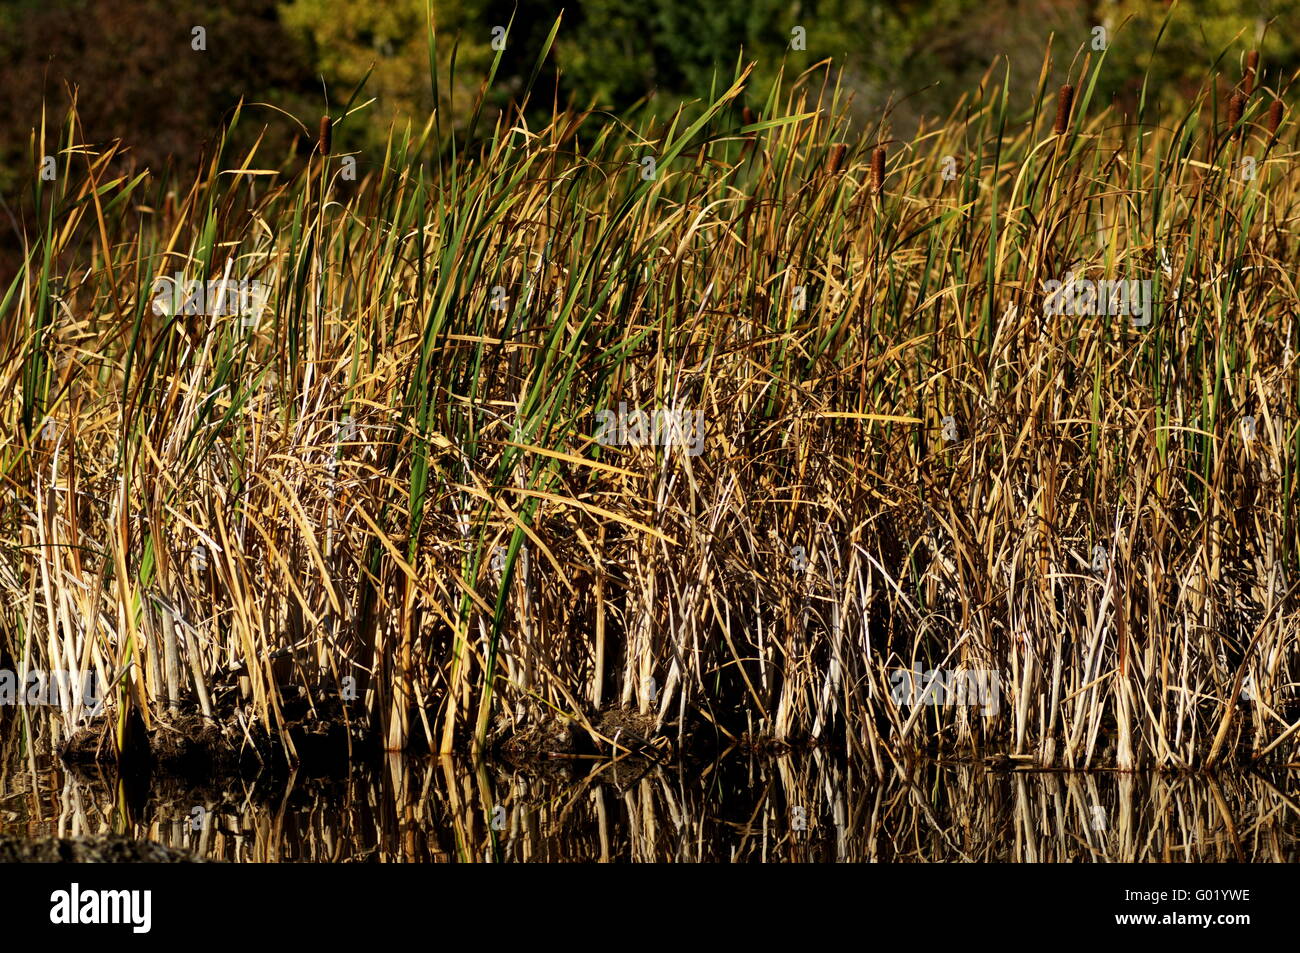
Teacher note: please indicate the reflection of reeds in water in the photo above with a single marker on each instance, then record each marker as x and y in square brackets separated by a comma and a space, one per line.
[388, 489]
[809, 808]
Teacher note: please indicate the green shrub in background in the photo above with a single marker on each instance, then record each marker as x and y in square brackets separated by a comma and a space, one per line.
[1200, 35]
[135, 77]
[388, 40]
[914, 54]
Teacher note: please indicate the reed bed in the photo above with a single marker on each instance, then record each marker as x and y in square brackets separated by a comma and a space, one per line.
[388, 490]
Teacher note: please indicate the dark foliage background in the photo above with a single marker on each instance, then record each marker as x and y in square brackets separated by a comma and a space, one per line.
[135, 77]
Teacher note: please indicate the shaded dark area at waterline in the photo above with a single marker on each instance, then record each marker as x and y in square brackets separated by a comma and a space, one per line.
[796, 807]
[326, 738]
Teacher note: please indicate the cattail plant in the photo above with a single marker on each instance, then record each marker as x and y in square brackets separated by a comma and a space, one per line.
[878, 170]
[323, 140]
[835, 158]
[1236, 106]
[1275, 118]
[1252, 65]
[1064, 103]
[365, 567]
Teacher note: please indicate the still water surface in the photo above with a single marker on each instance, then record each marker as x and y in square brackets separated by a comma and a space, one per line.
[809, 807]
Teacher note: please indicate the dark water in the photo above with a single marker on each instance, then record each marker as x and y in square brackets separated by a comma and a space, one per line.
[809, 807]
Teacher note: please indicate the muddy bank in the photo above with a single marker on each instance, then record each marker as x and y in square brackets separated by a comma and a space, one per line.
[315, 739]
[104, 849]
[613, 732]
[327, 740]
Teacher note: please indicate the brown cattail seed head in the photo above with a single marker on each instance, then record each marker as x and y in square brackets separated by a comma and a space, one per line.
[836, 157]
[1236, 105]
[1252, 64]
[1064, 103]
[747, 115]
[1274, 117]
[324, 140]
[878, 170]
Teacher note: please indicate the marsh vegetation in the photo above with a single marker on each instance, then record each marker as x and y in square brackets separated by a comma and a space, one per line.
[380, 501]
